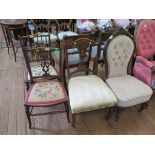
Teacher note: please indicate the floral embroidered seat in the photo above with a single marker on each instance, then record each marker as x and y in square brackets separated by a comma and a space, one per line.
[46, 93]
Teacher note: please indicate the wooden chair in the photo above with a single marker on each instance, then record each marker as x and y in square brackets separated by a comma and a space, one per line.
[11, 33]
[37, 41]
[64, 27]
[118, 57]
[59, 53]
[44, 26]
[49, 90]
[41, 25]
[87, 92]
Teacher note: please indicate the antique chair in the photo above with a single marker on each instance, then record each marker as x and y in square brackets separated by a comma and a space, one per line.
[87, 92]
[144, 68]
[34, 41]
[49, 91]
[118, 55]
[43, 26]
[11, 33]
[64, 27]
[73, 56]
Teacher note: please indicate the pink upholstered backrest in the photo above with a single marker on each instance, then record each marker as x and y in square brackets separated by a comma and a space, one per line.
[145, 38]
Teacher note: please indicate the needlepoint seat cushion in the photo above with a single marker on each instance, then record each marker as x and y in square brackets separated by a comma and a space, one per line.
[46, 93]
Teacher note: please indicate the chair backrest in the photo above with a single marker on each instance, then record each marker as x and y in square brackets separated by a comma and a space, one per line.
[119, 50]
[41, 25]
[83, 45]
[145, 38]
[40, 57]
[64, 24]
[35, 40]
[104, 35]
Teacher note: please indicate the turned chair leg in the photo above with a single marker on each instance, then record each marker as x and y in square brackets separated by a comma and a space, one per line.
[67, 110]
[74, 120]
[109, 110]
[117, 113]
[143, 106]
[27, 110]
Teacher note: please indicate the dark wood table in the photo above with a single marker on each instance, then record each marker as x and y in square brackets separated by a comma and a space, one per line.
[12, 28]
[12, 23]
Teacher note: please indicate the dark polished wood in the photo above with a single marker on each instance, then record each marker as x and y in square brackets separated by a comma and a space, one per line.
[67, 44]
[41, 25]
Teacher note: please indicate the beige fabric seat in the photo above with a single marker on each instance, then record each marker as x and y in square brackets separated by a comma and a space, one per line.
[118, 54]
[88, 93]
[129, 90]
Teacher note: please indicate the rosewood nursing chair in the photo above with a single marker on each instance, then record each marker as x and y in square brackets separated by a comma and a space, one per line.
[86, 92]
[118, 55]
[144, 68]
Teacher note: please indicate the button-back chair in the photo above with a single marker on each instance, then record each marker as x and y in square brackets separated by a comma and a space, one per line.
[144, 68]
[49, 91]
[87, 92]
[118, 55]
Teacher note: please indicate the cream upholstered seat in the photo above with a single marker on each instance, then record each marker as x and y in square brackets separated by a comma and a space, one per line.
[86, 92]
[129, 90]
[89, 93]
[118, 53]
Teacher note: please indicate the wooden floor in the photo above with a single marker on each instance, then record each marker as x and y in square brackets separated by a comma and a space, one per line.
[13, 119]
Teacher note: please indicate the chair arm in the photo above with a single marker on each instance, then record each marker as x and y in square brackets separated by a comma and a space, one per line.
[145, 62]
